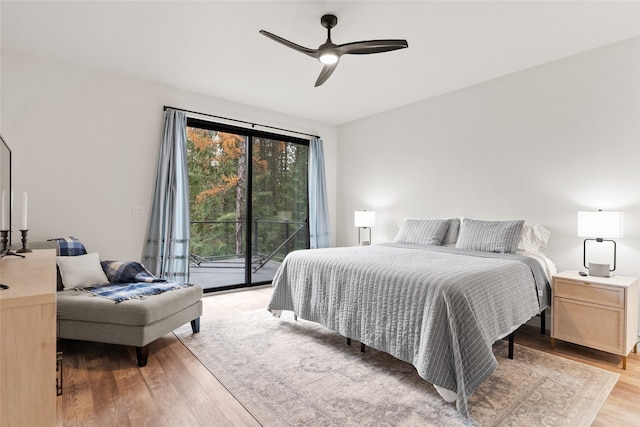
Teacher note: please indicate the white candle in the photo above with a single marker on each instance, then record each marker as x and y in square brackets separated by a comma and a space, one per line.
[4, 214]
[24, 211]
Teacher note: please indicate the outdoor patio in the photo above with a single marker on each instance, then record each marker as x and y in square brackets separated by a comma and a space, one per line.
[228, 274]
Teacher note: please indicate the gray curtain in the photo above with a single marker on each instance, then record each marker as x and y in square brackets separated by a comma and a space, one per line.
[166, 251]
[319, 231]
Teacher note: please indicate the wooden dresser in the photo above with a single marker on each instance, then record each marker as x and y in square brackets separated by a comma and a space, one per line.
[28, 340]
[597, 312]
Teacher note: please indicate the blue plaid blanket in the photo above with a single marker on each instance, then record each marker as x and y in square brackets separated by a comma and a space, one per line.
[69, 246]
[127, 272]
[125, 291]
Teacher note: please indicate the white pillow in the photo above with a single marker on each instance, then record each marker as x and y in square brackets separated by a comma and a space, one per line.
[80, 271]
[534, 238]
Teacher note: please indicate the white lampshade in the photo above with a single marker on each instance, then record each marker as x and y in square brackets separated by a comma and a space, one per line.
[364, 219]
[600, 224]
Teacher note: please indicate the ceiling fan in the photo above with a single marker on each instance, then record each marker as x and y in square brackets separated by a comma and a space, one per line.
[329, 53]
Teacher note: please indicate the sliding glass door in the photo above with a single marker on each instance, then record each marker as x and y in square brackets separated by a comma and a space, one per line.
[249, 203]
[279, 203]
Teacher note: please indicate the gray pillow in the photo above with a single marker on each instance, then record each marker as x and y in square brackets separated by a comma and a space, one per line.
[422, 231]
[489, 236]
[452, 232]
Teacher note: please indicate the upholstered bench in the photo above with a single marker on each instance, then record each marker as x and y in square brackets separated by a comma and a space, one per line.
[134, 322]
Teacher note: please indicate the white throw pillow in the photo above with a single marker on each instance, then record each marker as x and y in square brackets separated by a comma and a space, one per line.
[80, 271]
[534, 238]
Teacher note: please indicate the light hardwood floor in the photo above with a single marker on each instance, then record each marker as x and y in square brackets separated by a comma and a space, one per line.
[104, 387]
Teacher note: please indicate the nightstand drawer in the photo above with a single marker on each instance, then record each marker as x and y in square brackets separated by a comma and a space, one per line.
[592, 325]
[584, 291]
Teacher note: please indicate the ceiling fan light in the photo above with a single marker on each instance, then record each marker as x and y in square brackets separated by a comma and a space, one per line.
[328, 58]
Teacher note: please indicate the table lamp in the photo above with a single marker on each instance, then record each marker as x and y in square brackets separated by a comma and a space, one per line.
[364, 220]
[600, 227]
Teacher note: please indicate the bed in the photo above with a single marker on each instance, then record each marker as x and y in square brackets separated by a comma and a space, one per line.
[438, 296]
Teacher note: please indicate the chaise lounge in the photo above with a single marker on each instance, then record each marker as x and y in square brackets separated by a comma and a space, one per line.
[133, 322]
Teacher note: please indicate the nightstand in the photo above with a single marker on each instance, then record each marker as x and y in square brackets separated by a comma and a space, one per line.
[597, 312]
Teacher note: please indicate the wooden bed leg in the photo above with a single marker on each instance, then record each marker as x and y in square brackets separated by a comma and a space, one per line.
[195, 325]
[543, 328]
[511, 337]
[348, 341]
[143, 354]
[362, 347]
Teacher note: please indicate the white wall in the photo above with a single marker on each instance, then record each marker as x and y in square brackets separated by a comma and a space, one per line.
[85, 146]
[539, 145]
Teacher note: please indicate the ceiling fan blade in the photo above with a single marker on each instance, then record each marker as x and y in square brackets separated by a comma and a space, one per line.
[311, 52]
[372, 46]
[326, 72]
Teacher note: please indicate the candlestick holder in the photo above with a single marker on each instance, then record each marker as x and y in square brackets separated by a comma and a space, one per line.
[24, 243]
[4, 239]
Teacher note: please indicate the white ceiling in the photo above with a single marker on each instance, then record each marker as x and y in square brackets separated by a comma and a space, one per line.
[214, 48]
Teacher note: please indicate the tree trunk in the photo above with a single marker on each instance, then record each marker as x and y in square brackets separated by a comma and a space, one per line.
[240, 197]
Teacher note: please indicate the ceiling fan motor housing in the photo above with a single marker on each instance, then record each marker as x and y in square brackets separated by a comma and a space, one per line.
[329, 21]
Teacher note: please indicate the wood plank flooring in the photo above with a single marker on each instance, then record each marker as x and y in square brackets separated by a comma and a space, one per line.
[104, 387]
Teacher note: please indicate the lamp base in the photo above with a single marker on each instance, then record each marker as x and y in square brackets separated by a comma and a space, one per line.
[362, 242]
[599, 270]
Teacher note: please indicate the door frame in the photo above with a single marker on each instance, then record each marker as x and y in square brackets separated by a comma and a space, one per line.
[250, 133]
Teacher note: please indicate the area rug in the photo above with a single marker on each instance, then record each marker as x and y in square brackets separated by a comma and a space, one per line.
[291, 373]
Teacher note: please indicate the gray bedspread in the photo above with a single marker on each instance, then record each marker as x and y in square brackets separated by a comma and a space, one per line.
[440, 309]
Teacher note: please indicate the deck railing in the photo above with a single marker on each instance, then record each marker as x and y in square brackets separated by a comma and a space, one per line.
[219, 240]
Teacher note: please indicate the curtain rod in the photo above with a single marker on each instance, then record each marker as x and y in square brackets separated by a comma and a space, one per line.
[240, 121]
